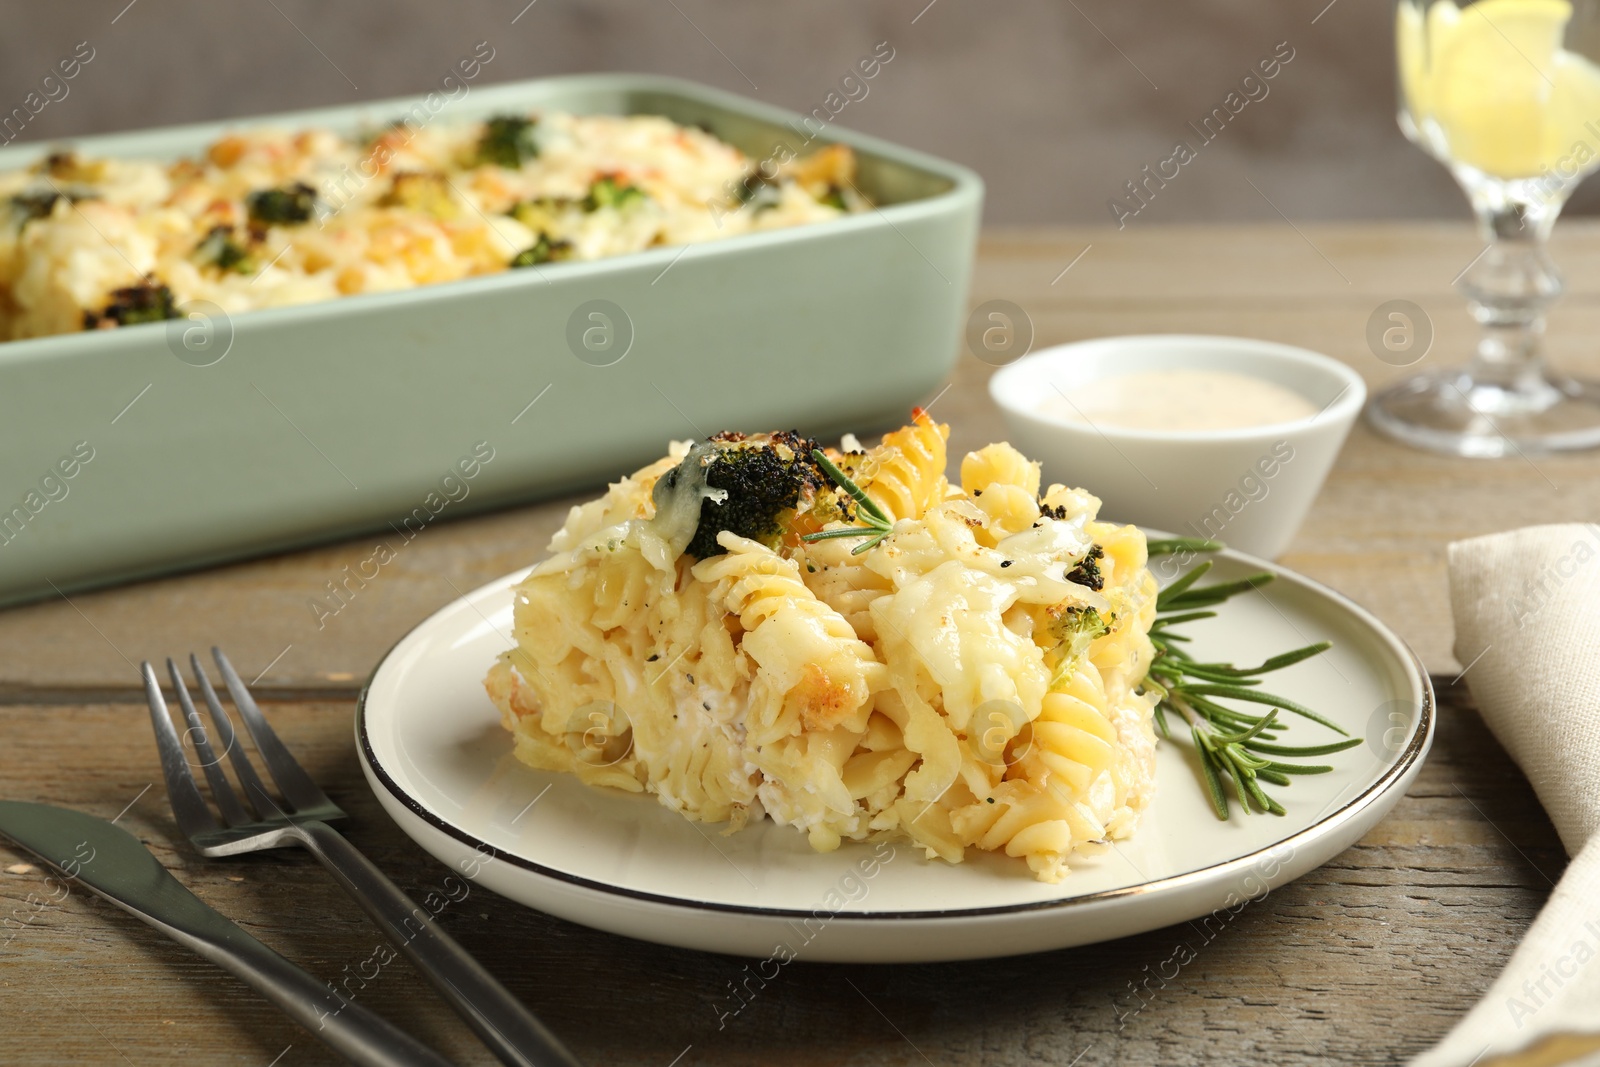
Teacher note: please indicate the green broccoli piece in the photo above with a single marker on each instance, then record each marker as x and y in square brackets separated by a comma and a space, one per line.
[611, 191]
[767, 478]
[218, 249]
[428, 193]
[149, 301]
[757, 191]
[294, 203]
[543, 250]
[1076, 629]
[41, 203]
[834, 198]
[25, 207]
[1087, 572]
[541, 213]
[508, 141]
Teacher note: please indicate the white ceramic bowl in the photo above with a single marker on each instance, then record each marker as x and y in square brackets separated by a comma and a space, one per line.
[1249, 488]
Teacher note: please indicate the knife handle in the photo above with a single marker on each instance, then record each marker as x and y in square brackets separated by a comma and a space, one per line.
[353, 1031]
[510, 1030]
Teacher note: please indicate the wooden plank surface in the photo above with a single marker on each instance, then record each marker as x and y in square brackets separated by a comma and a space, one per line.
[1366, 960]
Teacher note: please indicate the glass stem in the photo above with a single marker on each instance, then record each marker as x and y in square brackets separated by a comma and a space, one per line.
[1508, 289]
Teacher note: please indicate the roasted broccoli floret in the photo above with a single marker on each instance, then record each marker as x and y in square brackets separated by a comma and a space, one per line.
[149, 301]
[766, 478]
[508, 141]
[1075, 629]
[834, 198]
[293, 203]
[427, 193]
[40, 203]
[758, 191]
[219, 249]
[25, 207]
[544, 213]
[612, 191]
[1087, 572]
[543, 250]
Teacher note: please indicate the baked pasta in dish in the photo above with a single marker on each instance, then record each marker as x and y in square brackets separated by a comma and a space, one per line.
[967, 675]
[267, 218]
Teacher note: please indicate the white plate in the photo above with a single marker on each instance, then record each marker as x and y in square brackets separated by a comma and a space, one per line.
[434, 752]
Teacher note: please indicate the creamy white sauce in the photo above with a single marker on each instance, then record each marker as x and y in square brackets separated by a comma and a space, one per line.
[1178, 400]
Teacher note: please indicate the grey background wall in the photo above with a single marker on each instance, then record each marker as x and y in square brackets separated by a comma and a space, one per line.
[1057, 103]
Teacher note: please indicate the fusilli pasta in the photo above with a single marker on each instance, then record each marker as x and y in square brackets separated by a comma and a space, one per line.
[972, 680]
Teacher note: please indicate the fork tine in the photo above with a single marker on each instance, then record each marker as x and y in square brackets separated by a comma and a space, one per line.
[254, 788]
[188, 806]
[295, 784]
[233, 812]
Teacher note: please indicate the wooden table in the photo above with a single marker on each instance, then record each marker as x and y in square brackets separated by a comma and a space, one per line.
[1367, 960]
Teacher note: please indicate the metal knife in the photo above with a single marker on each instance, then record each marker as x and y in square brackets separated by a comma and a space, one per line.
[111, 862]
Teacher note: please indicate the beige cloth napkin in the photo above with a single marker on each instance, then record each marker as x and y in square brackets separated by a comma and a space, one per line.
[1527, 615]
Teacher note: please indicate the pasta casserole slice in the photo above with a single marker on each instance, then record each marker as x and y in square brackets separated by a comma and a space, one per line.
[967, 676]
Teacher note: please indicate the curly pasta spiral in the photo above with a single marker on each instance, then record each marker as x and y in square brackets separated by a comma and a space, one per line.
[1005, 486]
[999, 463]
[1068, 785]
[819, 672]
[845, 583]
[905, 474]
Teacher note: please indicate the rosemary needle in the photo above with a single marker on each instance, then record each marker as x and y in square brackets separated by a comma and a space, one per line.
[1173, 545]
[1232, 745]
[878, 524]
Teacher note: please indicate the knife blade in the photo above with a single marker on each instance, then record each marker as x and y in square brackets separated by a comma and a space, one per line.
[111, 862]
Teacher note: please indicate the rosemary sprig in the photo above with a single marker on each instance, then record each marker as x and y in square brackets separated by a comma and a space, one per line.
[1172, 545]
[1231, 744]
[878, 524]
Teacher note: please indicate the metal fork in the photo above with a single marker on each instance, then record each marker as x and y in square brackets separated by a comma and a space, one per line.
[301, 819]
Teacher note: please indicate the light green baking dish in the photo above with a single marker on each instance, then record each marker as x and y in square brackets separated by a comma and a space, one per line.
[367, 413]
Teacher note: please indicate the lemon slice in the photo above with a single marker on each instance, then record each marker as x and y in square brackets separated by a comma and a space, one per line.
[1572, 118]
[1414, 33]
[1493, 81]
